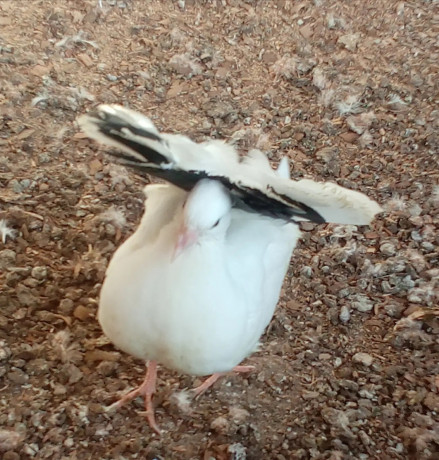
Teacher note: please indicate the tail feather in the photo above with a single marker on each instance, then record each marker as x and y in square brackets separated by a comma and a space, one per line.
[252, 182]
[283, 170]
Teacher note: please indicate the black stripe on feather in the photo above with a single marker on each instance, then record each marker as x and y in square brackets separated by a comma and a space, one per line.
[113, 127]
[245, 198]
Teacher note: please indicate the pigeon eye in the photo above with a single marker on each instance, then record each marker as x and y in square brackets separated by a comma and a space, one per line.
[216, 223]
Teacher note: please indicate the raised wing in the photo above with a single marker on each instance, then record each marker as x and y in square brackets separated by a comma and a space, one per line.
[253, 184]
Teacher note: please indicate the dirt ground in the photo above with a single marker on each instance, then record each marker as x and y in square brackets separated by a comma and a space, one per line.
[349, 367]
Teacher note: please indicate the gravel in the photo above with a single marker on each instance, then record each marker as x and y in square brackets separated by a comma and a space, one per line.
[348, 367]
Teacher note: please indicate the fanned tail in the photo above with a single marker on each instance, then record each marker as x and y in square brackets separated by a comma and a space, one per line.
[253, 184]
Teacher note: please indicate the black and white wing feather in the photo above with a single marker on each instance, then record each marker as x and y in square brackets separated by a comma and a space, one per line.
[253, 184]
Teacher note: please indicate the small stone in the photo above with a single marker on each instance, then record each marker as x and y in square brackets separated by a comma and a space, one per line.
[238, 414]
[10, 455]
[307, 226]
[82, 313]
[220, 425]
[388, 249]
[5, 352]
[73, 373]
[338, 419]
[269, 57]
[366, 394]
[59, 389]
[349, 137]
[66, 306]
[307, 395]
[7, 258]
[325, 356]
[106, 368]
[39, 273]
[94, 166]
[365, 439]
[18, 376]
[362, 303]
[40, 70]
[85, 59]
[38, 366]
[432, 401]
[394, 310]
[363, 358]
[20, 313]
[348, 384]
[350, 41]
[69, 442]
[9, 440]
[25, 296]
[101, 355]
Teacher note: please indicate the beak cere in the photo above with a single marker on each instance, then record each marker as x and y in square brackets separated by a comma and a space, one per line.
[185, 239]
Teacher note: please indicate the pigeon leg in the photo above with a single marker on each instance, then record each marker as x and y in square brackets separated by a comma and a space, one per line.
[214, 377]
[146, 389]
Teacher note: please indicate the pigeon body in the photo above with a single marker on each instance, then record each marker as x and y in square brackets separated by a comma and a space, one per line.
[204, 310]
[197, 284]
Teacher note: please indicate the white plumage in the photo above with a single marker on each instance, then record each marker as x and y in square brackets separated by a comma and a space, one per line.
[196, 285]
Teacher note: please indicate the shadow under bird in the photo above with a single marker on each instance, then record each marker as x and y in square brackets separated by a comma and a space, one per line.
[197, 284]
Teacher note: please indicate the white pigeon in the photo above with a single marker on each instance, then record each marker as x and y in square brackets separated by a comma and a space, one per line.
[197, 284]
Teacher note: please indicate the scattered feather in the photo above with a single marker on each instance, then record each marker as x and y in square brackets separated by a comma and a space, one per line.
[66, 351]
[360, 123]
[119, 175]
[183, 400]
[319, 79]
[376, 270]
[41, 97]
[285, 67]
[348, 105]
[326, 97]
[333, 22]
[6, 232]
[366, 139]
[421, 438]
[114, 216]
[345, 314]
[177, 36]
[81, 93]
[330, 21]
[184, 65]
[395, 204]
[415, 210]
[426, 293]
[342, 254]
[342, 231]
[350, 41]
[78, 39]
[396, 104]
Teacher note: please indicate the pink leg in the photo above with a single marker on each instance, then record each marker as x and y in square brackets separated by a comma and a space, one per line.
[146, 389]
[214, 377]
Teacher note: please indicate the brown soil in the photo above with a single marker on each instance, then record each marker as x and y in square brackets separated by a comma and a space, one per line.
[349, 367]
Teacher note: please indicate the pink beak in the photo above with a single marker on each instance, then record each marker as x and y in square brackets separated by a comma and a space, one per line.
[185, 239]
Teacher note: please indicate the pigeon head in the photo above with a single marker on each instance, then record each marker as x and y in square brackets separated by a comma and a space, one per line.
[206, 214]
